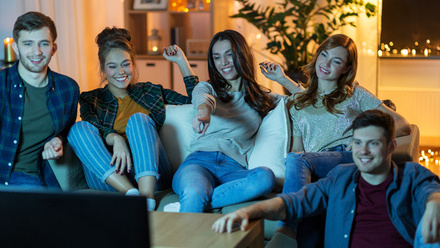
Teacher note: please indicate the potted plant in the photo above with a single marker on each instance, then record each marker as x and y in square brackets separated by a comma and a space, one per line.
[294, 27]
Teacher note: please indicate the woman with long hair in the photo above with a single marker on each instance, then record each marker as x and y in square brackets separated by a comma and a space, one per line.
[117, 141]
[229, 110]
[322, 112]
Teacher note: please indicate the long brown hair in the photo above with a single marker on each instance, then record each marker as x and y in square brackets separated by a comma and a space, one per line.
[256, 96]
[345, 81]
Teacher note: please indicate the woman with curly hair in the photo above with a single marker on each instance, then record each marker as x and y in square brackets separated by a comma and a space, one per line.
[117, 141]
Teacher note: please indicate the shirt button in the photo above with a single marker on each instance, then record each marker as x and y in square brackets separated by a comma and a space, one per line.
[6, 183]
[19, 118]
[345, 236]
[21, 96]
[352, 211]
[15, 86]
[9, 164]
[15, 141]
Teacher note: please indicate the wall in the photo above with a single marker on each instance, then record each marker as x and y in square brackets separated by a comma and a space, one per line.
[414, 86]
[7, 19]
[78, 22]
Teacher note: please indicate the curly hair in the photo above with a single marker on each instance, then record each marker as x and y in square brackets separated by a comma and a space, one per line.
[114, 38]
[255, 95]
[345, 81]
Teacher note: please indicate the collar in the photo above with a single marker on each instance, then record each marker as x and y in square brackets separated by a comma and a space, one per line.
[49, 75]
[107, 96]
[394, 168]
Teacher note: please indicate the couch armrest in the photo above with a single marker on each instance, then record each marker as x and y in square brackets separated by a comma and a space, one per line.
[407, 147]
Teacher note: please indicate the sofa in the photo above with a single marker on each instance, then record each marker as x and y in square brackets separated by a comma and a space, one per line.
[272, 143]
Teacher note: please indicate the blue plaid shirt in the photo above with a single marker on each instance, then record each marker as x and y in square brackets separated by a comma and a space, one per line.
[62, 102]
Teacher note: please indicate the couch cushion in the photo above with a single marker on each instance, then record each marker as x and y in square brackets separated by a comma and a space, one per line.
[176, 133]
[272, 142]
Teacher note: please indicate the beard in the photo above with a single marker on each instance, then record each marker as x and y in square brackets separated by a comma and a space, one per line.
[32, 67]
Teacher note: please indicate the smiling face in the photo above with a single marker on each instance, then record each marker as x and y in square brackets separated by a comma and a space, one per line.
[372, 152]
[331, 64]
[118, 71]
[35, 50]
[222, 56]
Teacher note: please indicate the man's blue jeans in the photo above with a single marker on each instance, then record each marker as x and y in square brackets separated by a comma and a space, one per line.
[24, 181]
[207, 180]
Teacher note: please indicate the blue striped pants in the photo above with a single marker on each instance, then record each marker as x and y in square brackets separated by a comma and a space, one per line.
[148, 155]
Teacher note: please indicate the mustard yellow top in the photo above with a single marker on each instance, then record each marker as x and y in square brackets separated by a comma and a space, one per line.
[126, 108]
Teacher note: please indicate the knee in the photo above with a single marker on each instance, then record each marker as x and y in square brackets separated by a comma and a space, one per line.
[266, 178]
[142, 119]
[293, 157]
[190, 181]
[80, 128]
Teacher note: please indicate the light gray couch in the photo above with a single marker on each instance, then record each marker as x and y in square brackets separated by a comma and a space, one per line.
[272, 138]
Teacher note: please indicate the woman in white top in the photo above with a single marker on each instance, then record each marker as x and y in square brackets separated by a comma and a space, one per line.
[230, 108]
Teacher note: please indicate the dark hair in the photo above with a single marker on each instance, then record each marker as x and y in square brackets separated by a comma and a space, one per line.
[31, 21]
[256, 96]
[114, 38]
[345, 81]
[376, 118]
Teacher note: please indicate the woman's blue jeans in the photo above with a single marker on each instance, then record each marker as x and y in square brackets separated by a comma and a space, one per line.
[148, 155]
[302, 169]
[207, 180]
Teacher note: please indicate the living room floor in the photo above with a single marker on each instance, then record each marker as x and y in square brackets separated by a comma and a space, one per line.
[430, 158]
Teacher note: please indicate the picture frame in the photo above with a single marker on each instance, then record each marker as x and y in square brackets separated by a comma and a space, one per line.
[150, 4]
[197, 47]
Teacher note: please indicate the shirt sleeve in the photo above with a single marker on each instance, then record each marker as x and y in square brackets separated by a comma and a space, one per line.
[312, 199]
[73, 112]
[204, 93]
[365, 98]
[425, 183]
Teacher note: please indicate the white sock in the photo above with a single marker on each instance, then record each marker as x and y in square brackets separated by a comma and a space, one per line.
[151, 204]
[172, 207]
[133, 191]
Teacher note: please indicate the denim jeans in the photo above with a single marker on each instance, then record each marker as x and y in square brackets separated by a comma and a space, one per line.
[418, 240]
[148, 155]
[304, 168]
[207, 180]
[24, 181]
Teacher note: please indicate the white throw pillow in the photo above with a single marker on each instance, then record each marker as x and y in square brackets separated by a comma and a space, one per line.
[176, 133]
[272, 142]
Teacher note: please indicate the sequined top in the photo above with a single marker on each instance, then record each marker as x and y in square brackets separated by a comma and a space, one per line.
[321, 130]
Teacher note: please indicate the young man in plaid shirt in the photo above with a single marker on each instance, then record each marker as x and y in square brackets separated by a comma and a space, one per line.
[38, 106]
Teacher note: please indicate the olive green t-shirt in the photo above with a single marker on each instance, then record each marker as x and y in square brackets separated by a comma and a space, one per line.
[36, 128]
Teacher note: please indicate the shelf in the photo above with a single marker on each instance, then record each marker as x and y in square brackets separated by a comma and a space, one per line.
[146, 56]
[395, 56]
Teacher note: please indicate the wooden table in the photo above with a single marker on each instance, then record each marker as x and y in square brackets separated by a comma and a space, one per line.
[194, 230]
